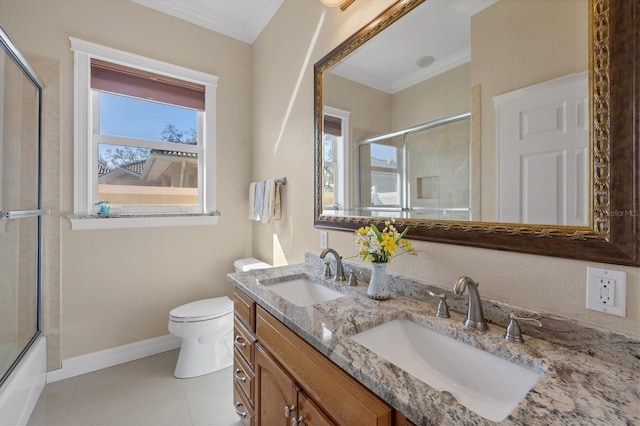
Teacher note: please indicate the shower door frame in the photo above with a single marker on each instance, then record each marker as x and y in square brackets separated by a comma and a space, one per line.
[14, 53]
[405, 204]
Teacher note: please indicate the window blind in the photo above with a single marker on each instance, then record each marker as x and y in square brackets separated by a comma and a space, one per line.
[123, 80]
[332, 125]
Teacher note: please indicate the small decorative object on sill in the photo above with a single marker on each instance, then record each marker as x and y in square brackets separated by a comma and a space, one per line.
[378, 247]
[103, 207]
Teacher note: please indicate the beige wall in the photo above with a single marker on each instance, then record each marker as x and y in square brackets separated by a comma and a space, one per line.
[283, 143]
[119, 285]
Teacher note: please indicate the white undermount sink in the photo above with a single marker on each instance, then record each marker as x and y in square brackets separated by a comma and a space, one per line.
[484, 383]
[302, 291]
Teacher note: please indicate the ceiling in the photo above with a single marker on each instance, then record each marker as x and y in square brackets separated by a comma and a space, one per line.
[240, 19]
[438, 28]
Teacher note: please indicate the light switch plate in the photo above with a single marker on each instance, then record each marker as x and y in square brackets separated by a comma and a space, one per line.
[607, 291]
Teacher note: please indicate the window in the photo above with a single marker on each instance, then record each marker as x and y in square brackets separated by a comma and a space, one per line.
[144, 140]
[380, 173]
[335, 179]
[385, 178]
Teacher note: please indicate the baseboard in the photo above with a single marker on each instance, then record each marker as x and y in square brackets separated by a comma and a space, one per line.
[82, 364]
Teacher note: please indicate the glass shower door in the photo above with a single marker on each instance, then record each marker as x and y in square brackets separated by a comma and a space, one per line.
[438, 171]
[20, 208]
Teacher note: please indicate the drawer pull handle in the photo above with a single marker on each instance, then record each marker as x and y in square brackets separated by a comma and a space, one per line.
[288, 410]
[238, 412]
[297, 422]
[242, 378]
[240, 341]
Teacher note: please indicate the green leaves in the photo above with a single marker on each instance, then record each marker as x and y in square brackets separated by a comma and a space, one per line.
[377, 232]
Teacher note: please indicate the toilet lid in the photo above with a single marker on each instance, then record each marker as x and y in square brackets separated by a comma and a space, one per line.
[202, 310]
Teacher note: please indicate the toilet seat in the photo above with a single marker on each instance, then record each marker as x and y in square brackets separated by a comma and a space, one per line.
[202, 310]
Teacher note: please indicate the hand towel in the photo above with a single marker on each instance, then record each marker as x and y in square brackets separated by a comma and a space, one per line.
[269, 197]
[277, 208]
[259, 199]
[252, 201]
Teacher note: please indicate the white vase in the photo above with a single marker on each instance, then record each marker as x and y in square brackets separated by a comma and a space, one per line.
[379, 284]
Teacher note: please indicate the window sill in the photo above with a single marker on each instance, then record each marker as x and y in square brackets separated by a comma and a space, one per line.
[88, 222]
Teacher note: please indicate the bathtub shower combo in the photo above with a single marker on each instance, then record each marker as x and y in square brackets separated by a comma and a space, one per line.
[22, 346]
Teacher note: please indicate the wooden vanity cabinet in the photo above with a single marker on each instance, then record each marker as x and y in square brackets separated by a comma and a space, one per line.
[243, 407]
[276, 370]
[400, 420]
[243, 357]
[243, 377]
[309, 413]
[279, 401]
[276, 393]
[243, 341]
[340, 397]
[245, 310]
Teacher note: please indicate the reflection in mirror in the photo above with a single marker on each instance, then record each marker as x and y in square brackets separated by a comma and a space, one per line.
[519, 67]
[418, 172]
[514, 47]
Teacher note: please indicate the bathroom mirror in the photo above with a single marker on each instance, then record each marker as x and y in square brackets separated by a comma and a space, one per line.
[586, 209]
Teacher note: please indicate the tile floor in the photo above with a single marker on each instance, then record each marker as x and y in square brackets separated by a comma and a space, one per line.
[141, 392]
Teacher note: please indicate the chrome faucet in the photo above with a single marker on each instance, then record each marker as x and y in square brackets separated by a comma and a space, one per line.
[513, 333]
[442, 311]
[475, 317]
[339, 269]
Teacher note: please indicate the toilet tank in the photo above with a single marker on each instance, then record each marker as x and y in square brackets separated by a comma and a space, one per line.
[249, 263]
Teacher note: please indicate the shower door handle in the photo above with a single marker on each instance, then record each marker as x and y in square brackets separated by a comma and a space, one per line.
[19, 214]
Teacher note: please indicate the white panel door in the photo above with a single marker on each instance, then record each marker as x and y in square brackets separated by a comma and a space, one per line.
[543, 140]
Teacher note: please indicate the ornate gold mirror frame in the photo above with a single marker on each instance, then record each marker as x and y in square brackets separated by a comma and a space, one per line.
[614, 86]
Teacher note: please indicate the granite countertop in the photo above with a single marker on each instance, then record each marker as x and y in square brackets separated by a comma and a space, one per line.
[590, 376]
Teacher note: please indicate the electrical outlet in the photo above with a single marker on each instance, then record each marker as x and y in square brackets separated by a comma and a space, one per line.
[324, 239]
[606, 291]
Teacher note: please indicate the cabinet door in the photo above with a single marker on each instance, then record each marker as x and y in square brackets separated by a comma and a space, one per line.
[309, 414]
[275, 392]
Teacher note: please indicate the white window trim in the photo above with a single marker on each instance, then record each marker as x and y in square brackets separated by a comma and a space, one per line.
[342, 156]
[85, 178]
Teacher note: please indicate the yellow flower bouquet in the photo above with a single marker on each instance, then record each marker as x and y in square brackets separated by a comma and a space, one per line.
[380, 246]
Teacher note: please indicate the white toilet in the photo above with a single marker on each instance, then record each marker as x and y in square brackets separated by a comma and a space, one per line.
[248, 264]
[206, 329]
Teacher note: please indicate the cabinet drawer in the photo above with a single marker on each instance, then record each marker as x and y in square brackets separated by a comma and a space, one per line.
[338, 394]
[244, 342]
[245, 309]
[242, 406]
[243, 376]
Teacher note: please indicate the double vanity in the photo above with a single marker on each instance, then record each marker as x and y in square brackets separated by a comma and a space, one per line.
[313, 351]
